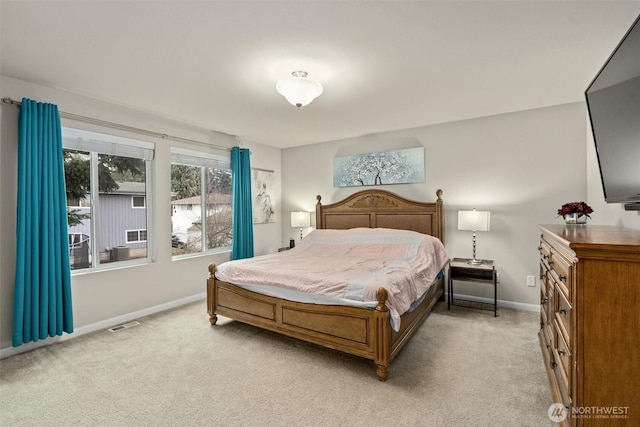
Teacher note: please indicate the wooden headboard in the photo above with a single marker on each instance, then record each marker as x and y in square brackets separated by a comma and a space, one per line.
[382, 209]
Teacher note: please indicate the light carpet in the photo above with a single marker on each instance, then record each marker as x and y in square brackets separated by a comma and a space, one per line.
[463, 367]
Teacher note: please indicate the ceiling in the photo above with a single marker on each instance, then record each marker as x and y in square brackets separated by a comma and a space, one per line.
[384, 65]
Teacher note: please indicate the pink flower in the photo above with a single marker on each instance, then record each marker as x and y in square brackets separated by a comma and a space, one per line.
[580, 208]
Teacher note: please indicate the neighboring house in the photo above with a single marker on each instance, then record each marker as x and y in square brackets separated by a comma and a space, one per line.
[185, 213]
[123, 219]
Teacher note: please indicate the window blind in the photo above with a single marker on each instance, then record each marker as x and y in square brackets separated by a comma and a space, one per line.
[221, 160]
[76, 139]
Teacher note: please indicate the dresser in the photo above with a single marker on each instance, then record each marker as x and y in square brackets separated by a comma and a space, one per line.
[590, 323]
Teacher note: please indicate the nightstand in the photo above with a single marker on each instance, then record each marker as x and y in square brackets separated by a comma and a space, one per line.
[460, 269]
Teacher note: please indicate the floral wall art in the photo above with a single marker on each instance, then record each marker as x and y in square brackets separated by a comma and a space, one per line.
[262, 182]
[389, 167]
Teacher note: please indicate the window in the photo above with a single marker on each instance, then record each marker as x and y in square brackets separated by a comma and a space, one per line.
[138, 202]
[134, 236]
[201, 200]
[107, 185]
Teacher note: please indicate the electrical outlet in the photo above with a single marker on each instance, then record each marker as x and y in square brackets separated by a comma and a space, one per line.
[531, 281]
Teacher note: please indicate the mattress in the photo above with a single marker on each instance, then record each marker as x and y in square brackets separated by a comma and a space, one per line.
[346, 267]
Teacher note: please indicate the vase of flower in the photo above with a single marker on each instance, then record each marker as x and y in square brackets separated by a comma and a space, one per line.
[574, 218]
[575, 212]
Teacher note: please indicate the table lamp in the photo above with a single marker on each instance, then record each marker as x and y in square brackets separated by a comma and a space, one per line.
[474, 221]
[300, 219]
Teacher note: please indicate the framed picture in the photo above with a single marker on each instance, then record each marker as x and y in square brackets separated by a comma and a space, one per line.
[262, 182]
[389, 167]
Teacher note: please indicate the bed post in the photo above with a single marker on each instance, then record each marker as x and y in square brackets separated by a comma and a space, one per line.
[382, 335]
[211, 304]
[319, 223]
[440, 214]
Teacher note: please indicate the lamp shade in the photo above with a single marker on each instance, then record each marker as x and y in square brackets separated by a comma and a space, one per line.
[300, 219]
[298, 89]
[474, 220]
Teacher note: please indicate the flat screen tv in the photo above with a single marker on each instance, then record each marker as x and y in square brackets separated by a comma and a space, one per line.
[613, 101]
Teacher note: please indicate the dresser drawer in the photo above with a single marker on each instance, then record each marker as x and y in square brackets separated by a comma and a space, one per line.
[551, 304]
[545, 249]
[560, 271]
[548, 341]
[544, 301]
[543, 278]
[563, 314]
[544, 319]
[564, 353]
[561, 378]
[546, 352]
[545, 345]
[545, 263]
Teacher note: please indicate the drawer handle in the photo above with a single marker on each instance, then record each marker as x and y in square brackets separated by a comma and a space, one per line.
[561, 352]
[539, 248]
[550, 264]
[544, 301]
[562, 278]
[562, 310]
[554, 364]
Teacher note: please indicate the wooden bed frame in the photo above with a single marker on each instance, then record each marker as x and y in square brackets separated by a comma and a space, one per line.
[359, 331]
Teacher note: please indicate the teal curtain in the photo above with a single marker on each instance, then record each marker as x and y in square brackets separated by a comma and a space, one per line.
[241, 200]
[42, 286]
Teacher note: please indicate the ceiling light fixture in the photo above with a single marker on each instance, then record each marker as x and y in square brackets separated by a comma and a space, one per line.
[298, 89]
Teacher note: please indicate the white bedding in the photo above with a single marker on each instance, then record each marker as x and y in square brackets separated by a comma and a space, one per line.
[346, 267]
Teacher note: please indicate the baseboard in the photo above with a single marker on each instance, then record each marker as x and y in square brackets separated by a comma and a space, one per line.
[502, 303]
[104, 324]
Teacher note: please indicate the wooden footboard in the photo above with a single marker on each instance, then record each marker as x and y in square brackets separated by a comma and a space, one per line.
[353, 330]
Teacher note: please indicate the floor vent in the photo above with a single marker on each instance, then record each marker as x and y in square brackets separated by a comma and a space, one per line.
[125, 326]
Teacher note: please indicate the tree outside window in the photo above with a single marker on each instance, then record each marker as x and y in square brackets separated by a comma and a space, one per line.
[194, 210]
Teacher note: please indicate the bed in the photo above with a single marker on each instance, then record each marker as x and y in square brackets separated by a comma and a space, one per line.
[361, 331]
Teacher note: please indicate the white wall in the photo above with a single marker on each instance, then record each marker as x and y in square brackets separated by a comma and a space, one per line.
[112, 294]
[521, 166]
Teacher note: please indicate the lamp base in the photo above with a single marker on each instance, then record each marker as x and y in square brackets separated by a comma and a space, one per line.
[474, 260]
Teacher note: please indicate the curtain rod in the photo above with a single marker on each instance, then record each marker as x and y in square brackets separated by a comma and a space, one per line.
[263, 170]
[91, 120]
